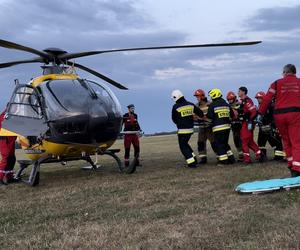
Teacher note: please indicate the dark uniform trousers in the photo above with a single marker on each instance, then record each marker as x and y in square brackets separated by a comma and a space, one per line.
[222, 147]
[274, 140]
[236, 133]
[185, 148]
[182, 115]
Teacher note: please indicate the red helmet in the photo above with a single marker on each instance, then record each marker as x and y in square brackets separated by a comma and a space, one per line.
[199, 92]
[231, 96]
[260, 94]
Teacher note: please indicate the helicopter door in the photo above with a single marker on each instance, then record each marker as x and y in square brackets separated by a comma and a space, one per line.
[24, 113]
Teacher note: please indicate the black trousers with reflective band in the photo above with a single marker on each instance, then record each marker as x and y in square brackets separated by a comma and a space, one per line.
[222, 146]
[273, 138]
[185, 148]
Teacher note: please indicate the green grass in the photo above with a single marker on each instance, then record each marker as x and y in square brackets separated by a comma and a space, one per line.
[162, 206]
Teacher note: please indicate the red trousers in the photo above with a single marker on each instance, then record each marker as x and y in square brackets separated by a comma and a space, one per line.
[134, 140]
[8, 158]
[248, 142]
[288, 125]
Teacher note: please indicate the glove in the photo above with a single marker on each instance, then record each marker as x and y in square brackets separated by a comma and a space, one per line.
[259, 119]
[250, 126]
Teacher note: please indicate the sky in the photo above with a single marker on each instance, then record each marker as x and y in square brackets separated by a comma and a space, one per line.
[81, 25]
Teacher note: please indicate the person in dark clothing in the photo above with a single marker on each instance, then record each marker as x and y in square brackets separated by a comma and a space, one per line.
[236, 124]
[131, 131]
[220, 114]
[205, 132]
[182, 115]
[268, 132]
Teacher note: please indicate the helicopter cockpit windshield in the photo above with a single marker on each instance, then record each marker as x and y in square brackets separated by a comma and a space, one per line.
[65, 98]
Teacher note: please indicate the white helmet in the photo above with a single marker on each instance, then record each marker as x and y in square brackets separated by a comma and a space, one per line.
[176, 94]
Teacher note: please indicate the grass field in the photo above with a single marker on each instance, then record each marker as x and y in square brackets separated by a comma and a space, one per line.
[161, 206]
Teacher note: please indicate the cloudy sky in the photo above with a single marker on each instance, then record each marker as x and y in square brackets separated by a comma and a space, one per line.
[81, 25]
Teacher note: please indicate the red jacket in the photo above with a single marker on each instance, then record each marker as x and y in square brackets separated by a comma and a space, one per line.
[286, 92]
[248, 109]
[2, 118]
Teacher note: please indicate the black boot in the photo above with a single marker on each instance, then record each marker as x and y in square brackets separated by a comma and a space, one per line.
[231, 159]
[222, 163]
[138, 163]
[241, 156]
[203, 160]
[262, 157]
[193, 165]
[264, 151]
[2, 183]
[278, 158]
[294, 173]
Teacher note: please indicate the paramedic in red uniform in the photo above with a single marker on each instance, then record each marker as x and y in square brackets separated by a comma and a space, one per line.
[131, 131]
[8, 158]
[247, 115]
[286, 93]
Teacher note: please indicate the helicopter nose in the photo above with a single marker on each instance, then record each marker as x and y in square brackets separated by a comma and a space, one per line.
[71, 125]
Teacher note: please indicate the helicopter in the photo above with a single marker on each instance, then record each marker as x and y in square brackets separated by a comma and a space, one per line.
[61, 117]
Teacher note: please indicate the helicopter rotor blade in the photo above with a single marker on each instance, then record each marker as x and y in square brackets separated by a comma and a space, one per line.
[95, 73]
[68, 56]
[11, 45]
[9, 64]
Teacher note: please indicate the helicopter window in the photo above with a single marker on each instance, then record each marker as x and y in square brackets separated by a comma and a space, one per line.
[65, 98]
[25, 103]
[106, 96]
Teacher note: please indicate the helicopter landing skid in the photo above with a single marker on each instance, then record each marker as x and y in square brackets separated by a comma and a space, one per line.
[94, 166]
[34, 177]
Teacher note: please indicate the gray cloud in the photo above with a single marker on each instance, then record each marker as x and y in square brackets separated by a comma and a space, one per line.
[275, 19]
[57, 17]
[91, 25]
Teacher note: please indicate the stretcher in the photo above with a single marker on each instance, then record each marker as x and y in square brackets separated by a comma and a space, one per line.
[267, 186]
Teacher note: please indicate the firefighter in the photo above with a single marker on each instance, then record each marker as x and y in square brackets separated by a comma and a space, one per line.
[8, 158]
[183, 116]
[267, 131]
[205, 131]
[247, 115]
[236, 124]
[220, 113]
[131, 131]
[286, 92]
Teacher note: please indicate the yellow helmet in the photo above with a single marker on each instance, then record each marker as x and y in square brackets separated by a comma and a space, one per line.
[215, 93]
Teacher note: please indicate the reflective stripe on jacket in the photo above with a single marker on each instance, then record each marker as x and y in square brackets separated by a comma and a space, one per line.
[182, 115]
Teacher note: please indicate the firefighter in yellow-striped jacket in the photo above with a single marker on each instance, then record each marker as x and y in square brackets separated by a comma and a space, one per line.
[220, 114]
[205, 132]
[183, 116]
